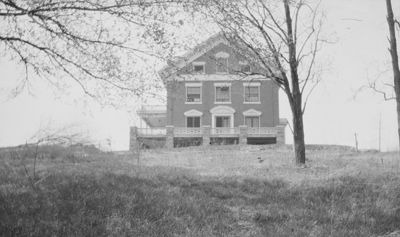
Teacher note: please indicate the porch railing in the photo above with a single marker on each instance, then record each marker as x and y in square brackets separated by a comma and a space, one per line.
[152, 131]
[261, 131]
[187, 132]
[225, 131]
[198, 132]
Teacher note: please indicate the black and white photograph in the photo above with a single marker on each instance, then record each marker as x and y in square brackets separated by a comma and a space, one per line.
[200, 118]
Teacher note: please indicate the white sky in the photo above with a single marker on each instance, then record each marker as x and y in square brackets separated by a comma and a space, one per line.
[332, 116]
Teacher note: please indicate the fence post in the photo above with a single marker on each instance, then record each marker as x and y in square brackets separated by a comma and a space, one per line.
[243, 134]
[206, 135]
[169, 143]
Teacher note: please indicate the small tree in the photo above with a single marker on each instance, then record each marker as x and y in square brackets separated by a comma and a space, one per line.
[284, 38]
[51, 138]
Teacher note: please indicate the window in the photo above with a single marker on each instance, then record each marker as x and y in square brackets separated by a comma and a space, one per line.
[199, 67]
[222, 65]
[252, 122]
[251, 93]
[222, 62]
[245, 68]
[222, 121]
[222, 94]
[193, 93]
[193, 122]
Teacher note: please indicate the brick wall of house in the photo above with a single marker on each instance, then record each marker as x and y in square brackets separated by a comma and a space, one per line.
[176, 106]
[269, 106]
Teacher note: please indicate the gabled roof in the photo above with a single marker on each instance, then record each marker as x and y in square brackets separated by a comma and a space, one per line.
[177, 63]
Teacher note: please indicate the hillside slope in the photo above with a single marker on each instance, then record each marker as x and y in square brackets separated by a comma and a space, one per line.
[219, 191]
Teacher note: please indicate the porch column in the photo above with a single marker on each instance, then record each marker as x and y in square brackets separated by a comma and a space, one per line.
[242, 134]
[133, 141]
[169, 142]
[280, 136]
[206, 129]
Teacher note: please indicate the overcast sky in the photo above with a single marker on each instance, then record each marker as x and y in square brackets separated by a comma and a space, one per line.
[358, 54]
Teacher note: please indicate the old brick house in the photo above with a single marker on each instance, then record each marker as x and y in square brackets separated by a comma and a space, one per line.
[213, 96]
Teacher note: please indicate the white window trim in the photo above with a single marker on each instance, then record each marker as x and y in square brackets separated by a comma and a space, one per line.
[252, 84]
[259, 119]
[222, 111]
[193, 113]
[199, 64]
[222, 84]
[186, 117]
[252, 112]
[201, 93]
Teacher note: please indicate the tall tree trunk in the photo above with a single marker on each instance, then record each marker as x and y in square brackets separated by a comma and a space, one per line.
[298, 136]
[296, 102]
[395, 59]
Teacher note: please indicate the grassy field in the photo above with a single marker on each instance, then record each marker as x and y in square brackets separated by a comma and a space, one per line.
[216, 191]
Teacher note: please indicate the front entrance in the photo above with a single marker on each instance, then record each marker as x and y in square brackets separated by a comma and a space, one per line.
[222, 121]
[222, 117]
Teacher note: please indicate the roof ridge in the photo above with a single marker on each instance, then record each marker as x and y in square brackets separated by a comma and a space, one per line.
[178, 62]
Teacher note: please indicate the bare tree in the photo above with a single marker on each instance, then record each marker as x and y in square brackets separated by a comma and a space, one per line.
[49, 138]
[392, 22]
[95, 43]
[283, 37]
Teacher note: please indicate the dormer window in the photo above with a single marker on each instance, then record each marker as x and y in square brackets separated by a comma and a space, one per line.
[244, 67]
[222, 62]
[199, 67]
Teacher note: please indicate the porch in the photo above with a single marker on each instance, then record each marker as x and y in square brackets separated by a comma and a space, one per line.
[207, 133]
[153, 115]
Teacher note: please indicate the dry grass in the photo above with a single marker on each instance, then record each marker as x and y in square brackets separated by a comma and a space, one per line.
[219, 191]
[235, 161]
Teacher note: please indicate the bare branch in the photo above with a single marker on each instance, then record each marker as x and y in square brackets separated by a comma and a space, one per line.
[385, 95]
[81, 39]
[308, 95]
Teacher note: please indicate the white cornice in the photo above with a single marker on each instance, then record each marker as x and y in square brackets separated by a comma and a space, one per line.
[218, 77]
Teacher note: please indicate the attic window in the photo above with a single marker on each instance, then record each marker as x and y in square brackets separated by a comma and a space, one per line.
[222, 65]
[222, 62]
[244, 67]
[198, 67]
